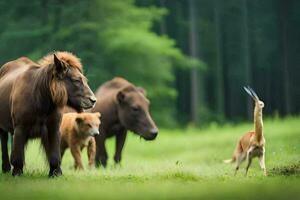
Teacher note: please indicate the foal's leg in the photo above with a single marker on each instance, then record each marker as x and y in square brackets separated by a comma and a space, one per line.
[91, 150]
[17, 155]
[76, 153]
[63, 147]
[5, 156]
[62, 151]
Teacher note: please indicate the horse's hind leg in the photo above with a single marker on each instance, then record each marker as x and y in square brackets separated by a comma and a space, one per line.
[5, 157]
[17, 155]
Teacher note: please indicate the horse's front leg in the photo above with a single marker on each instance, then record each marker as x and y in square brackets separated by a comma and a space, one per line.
[51, 142]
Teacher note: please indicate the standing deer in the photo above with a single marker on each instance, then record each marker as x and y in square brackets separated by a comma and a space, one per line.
[251, 144]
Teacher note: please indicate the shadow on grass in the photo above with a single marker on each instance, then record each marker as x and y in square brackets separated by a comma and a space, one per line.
[287, 170]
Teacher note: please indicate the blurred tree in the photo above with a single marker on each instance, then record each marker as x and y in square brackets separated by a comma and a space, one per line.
[219, 66]
[239, 42]
[113, 38]
[194, 52]
[246, 52]
[283, 17]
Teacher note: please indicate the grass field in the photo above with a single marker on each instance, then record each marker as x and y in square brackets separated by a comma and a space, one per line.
[180, 164]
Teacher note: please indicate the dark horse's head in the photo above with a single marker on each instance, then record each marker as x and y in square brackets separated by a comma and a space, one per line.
[134, 112]
[68, 85]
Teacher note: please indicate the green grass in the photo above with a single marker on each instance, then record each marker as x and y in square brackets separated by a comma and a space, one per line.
[180, 164]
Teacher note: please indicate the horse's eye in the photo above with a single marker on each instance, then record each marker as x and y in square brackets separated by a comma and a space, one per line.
[77, 81]
[89, 125]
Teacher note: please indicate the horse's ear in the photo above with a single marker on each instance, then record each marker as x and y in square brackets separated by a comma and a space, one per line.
[121, 97]
[60, 70]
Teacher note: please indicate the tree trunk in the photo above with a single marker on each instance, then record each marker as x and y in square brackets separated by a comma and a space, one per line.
[193, 45]
[162, 24]
[44, 5]
[283, 6]
[219, 76]
[246, 52]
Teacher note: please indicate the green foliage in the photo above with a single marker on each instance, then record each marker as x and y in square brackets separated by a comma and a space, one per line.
[179, 164]
[113, 38]
[146, 41]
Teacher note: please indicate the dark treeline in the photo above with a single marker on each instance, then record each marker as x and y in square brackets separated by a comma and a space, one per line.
[192, 56]
[241, 42]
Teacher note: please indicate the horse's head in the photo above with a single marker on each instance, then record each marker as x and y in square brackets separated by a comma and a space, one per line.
[69, 86]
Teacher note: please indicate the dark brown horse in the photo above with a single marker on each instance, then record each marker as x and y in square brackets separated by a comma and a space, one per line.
[123, 106]
[31, 98]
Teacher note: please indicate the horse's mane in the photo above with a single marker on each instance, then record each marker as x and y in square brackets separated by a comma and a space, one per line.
[57, 88]
[64, 56]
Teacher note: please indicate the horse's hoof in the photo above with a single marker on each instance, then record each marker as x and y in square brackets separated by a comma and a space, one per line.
[17, 172]
[6, 168]
[55, 173]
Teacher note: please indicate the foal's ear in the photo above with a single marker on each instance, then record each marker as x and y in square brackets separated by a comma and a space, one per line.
[97, 114]
[142, 90]
[60, 70]
[79, 120]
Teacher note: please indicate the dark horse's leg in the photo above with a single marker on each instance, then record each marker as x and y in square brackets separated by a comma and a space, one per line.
[51, 143]
[17, 155]
[101, 154]
[120, 140]
[5, 156]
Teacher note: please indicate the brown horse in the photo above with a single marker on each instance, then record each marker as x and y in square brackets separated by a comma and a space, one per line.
[123, 106]
[32, 96]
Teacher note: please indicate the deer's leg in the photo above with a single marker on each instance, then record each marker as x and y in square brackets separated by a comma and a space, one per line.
[262, 162]
[249, 159]
[91, 150]
[239, 158]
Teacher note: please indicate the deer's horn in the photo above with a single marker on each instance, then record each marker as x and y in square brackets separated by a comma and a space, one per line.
[249, 92]
[253, 93]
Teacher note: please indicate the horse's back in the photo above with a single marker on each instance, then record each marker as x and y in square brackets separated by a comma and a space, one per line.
[9, 73]
[111, 86]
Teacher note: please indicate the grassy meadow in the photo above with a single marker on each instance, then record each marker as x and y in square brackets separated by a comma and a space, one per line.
[180, 164]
